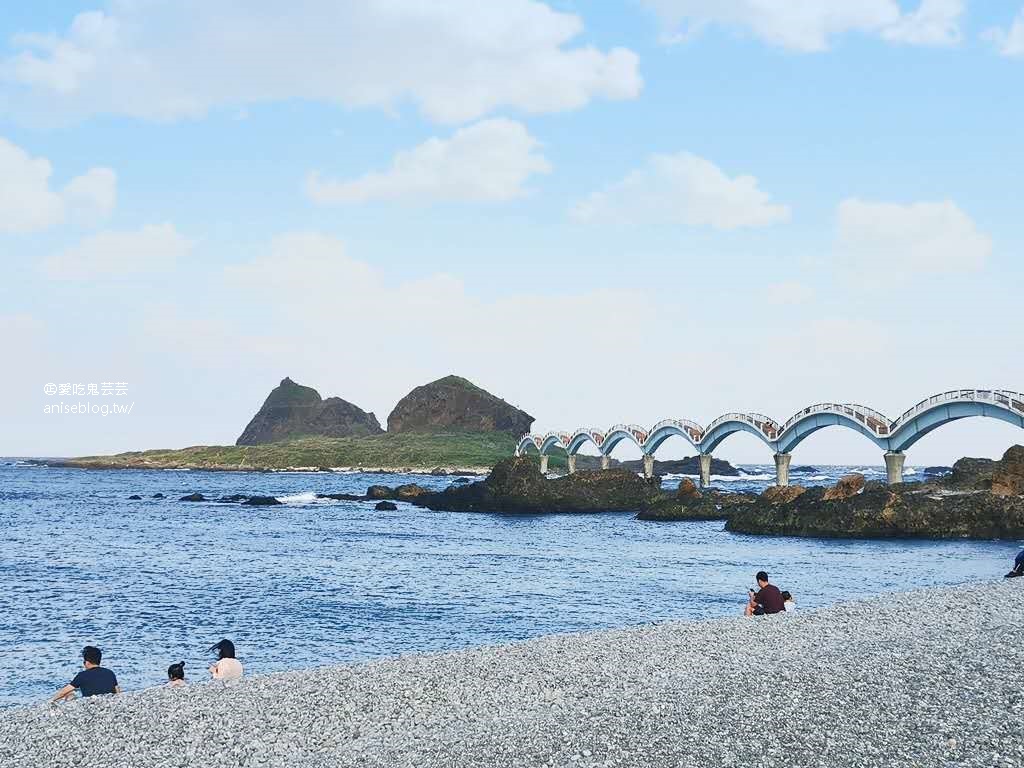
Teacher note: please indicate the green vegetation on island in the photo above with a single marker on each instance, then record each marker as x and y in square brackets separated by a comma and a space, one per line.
[417, 451]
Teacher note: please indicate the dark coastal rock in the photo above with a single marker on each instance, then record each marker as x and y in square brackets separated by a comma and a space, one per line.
[781, 494]
[135, 497]
[516, 485]
[193, 497]
[688, 466]
[455, 404]
[158, 496]
[385, 506]
[972, 473]
[702, 505]
[342, 496]
[292, 410]
[687, 490]
[409, 491]
[461, 481]
[379, 492]
[1008, 475]
[879, 512]
[261, 501]
[234, 498]
[804, 468]
[847, 486]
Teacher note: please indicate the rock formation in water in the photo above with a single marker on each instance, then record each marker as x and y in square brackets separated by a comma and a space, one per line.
[981, 499]
[516, 485]
[293, 410]
[456, 405]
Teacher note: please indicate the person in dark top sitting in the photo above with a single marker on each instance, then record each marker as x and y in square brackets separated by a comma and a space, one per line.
[94, 680]
[1018, 566]
[766, 600]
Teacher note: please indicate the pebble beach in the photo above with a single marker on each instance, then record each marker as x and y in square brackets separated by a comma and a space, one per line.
[927, 678]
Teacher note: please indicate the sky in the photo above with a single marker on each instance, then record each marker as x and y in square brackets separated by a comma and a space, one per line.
[602, 212]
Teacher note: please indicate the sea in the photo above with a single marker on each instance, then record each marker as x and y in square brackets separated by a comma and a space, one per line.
[316, 582]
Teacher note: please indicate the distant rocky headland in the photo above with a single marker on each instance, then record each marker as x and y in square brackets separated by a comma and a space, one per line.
[448, 426]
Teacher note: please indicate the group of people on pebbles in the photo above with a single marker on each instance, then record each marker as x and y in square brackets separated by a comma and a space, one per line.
[97, 680]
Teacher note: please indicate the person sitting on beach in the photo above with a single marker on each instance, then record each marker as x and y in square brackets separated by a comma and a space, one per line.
[94, 680]
[176, 675]
[1018, 566]
[227, 666]
[788, 603]
[767, 600]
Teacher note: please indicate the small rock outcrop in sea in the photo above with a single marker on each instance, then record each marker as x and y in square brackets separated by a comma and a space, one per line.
[135, 497]
[688, 466]
[261, 501]
[292, 410]
[690, 503]
[193, 497]
[385, 506]
[516, 485]
[457, 405]
[981, 499]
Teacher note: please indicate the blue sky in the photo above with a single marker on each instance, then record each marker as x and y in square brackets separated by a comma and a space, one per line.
[603, 212]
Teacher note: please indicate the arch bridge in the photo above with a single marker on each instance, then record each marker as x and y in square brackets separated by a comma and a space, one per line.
[893, 436]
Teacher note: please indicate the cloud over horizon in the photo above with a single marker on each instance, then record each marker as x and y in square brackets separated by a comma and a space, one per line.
[456, 61]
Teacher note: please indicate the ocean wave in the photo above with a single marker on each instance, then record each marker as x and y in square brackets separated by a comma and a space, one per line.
[308, 497]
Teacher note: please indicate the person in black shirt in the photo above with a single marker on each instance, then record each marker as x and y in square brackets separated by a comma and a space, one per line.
[93, 680]
[766, 600]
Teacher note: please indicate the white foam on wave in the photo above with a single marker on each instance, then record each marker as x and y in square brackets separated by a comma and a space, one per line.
[819, 478]
[910, 471]
[739, 478]
[299, 498]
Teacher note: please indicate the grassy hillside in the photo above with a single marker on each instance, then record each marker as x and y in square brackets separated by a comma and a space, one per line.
[410, 450]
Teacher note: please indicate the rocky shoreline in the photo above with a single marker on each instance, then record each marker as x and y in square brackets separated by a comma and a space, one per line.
[926, 678]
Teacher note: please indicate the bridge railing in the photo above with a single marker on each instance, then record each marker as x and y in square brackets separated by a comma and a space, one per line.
[764, 424]
[875, 421]
[692, 428]
[1004, 397]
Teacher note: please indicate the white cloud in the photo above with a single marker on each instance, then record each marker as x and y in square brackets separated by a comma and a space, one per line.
[935, 22]
[456, 60]
[789, 292]
[1009, 42]
[682, 189]
[889, 240]
[153, 248]
[490, 160]
[809, 25]
[27, 202]
[93, 194]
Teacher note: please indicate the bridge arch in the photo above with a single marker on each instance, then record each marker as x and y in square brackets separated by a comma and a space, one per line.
[802, 425]
[554, 440]
[690, 431]
[941, 409]
[631, 432]
[526, 443]
[581, 437]
[759, 425]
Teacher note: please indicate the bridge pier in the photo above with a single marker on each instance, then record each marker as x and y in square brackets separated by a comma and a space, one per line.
[543, 463]
[782, 468]
[648, 465]
[572, 463]
[705, 470]
[894, 466]
[606, 461]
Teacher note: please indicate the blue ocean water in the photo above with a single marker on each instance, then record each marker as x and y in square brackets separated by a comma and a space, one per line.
[312, 582]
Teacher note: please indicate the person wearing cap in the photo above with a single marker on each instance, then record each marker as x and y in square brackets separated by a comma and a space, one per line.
[767, 600]
[93, 680]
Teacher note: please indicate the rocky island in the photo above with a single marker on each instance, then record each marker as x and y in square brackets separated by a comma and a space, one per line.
[292, 410]
[449, 426]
